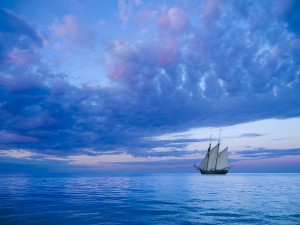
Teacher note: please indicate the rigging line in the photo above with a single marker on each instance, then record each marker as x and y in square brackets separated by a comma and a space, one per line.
[218, 150]
[209, 147]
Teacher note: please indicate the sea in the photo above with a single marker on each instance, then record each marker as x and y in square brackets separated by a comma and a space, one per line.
[234, 198]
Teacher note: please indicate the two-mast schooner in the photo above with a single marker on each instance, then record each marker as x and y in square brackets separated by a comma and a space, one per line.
[214, 162]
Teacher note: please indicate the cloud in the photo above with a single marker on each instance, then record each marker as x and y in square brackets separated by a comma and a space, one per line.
[123, 11]
[267, 153]
[211, 10]
[127, 10]
[12, 23]
[71, 32]
[236, 73]
[18, 40]
[174, 21]
[19, 154]
[7, 137]
[233, 69]
[249, 135]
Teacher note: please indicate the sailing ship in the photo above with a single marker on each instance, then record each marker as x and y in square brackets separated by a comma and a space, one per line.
[214, 162]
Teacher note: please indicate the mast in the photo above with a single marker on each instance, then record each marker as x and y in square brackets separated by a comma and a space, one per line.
[208, 151]
[218, 149]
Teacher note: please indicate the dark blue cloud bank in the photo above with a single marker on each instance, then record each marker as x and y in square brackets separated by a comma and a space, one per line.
[234, 62]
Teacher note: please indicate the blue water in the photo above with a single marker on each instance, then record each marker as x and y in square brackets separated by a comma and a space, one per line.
[151, 199]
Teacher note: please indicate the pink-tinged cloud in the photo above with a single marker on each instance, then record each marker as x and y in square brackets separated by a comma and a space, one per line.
[168, 54]
[120, 60]
[125, 71]
[72, 33]
[174, 21]
[126, 61]
[21, 57]
[69, 25]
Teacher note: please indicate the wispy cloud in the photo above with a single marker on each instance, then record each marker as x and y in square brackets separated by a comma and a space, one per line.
[268, 153]
[251, 135]
[248, 135]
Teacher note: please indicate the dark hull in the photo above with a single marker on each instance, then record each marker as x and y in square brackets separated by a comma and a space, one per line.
[214, 172]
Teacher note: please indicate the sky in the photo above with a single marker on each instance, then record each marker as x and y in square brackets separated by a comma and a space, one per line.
[139, 86]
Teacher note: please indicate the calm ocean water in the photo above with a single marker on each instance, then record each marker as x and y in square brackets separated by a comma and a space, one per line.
[151, 199]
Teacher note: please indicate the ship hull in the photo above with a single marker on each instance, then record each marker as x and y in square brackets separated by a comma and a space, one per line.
[214, 172]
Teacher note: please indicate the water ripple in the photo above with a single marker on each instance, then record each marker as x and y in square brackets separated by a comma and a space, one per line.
[151, 199]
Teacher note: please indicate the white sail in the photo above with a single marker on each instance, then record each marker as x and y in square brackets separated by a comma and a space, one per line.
[212, 158]
[222, 162]
[203, 164]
